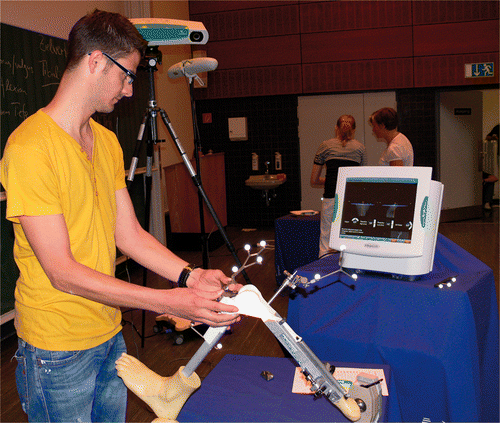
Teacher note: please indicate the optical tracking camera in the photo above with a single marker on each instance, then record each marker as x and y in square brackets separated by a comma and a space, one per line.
[160, 32]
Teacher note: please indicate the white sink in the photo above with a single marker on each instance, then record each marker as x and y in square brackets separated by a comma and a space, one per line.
[265, 181]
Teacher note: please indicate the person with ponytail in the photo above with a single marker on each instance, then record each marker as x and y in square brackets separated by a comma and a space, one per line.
[343, 150]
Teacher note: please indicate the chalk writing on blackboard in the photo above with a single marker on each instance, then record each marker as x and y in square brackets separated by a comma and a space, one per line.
[17, 65]
[7, 86]
[17, 110]
[47, 45]
[52, 73]
[29, 75]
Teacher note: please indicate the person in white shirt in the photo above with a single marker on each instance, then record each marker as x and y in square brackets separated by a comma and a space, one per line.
[399, 151]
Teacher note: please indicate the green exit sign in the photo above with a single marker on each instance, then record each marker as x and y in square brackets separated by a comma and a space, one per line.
[479, 70]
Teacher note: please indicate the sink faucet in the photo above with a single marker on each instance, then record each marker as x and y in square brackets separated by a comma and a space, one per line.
[267, 167]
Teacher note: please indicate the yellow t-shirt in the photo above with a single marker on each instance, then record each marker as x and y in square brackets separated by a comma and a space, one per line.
[45, 172]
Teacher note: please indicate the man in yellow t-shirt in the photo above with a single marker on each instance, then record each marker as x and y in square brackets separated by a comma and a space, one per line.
[66, 196]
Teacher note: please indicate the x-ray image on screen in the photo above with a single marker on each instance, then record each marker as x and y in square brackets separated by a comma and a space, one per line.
[380, 210]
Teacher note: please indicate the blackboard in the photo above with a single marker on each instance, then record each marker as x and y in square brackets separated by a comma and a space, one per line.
[31, 67]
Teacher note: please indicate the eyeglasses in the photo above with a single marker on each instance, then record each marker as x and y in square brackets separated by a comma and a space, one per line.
[130, 74]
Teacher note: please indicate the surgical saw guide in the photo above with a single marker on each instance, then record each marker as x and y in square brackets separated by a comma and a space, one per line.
[316, 372]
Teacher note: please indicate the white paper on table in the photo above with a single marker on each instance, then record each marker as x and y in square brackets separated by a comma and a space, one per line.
[346, 376]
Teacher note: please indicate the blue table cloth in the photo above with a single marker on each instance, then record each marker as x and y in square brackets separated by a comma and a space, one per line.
[441, 344]
[234, 391]
[296, 243]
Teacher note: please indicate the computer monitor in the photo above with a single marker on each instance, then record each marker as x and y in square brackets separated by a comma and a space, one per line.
[386, 218]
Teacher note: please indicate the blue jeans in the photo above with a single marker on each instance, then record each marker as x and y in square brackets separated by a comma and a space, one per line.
[72, 386]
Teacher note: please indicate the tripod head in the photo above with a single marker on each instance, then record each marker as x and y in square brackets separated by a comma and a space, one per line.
[152, 57]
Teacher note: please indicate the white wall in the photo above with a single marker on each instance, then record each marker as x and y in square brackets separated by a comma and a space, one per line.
[317, 118]
[459, 136]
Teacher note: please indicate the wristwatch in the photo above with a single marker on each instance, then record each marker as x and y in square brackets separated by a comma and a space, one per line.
[183, 277]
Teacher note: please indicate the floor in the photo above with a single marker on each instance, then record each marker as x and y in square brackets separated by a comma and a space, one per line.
[165, 350]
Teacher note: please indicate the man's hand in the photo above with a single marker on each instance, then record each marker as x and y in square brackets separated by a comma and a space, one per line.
[211, 281]
[199, 306]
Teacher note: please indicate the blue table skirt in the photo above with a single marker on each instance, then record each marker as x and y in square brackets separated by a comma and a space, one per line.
[235, 392]
[442, 345]
[297, 242]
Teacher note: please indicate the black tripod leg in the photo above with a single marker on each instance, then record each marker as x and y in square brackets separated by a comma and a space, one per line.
[147, 209]
[198, 184]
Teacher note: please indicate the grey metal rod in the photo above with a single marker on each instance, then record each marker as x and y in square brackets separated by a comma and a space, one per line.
[211, 337]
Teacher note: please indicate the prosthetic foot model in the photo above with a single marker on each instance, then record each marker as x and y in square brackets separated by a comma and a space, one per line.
[165, 395]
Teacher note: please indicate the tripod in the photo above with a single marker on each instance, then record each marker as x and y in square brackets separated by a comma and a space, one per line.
[153, 56]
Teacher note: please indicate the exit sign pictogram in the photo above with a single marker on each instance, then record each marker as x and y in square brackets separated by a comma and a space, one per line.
[479, 70]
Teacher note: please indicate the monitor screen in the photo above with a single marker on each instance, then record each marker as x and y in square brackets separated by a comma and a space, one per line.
[379, 209]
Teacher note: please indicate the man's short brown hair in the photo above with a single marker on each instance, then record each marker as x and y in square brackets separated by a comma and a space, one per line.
[109, 32]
